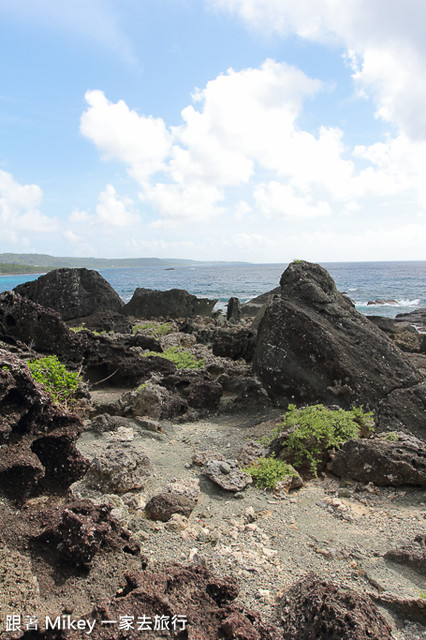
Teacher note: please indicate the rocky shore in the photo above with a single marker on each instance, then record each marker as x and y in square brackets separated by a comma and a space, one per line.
[130, 509]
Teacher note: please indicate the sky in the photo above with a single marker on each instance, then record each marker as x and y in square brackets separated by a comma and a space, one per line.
[254, 130]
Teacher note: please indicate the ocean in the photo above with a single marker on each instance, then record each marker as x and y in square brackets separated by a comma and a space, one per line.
[402, 282]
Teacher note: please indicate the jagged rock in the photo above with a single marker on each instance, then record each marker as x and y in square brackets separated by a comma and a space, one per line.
[37, 437]
[197, 389]
[145, 342]
[119, 469]
[149, 400]
[253, 306]
[105, 422]
[315, 609]
[380, 301]
[203, 605]
[250, 452]
[402, 334]
[190, 488]
[383, 462]
[227, 475]
[412, 554]
[415, 318]
[80, 529]
[163, 505]
[175, 303]
[313, 346]
[251, 397]
[74, 293]
[102, 356]
[230, 343]
[233, 311]
[104, 321]
[404, 409]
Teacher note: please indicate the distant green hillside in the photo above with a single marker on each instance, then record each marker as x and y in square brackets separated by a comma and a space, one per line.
[51, 262]
[14, 268]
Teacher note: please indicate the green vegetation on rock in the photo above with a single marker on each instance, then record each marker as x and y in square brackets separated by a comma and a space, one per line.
[60, 383]
[182, 358]
[267, 472]
[316, 428]
[155, 329]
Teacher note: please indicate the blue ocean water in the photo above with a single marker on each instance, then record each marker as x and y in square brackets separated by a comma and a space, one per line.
[403, 282]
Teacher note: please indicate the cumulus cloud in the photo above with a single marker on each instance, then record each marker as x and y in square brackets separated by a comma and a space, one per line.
[19, 207]
[384, 39]
[141, 142]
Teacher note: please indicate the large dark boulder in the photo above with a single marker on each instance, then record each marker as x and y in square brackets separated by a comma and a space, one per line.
[415, 318]
[73, 293]
[313, 346]
[253, 306]
[37, 437]
[383, 462]
[175, 303]
[315, 609]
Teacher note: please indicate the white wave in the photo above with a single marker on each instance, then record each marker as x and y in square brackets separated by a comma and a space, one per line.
[397, 303]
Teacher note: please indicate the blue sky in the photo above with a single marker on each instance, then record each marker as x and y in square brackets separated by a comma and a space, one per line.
[260, 130]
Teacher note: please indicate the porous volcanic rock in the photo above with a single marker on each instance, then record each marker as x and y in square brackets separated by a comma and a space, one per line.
[315, 609]
[403, 334]
[412, 554]
[227, 474]
[383, 462]
[313, 346]
[233, 310]
[175, 303]
[204, 606]
[163, 505]
[416, 318]
[196, 388]
[119, 469]
[233, 343]
[79, 530]
[101, 356]
[104, 321]
[73, 293]
[37, 437]
[253, 306]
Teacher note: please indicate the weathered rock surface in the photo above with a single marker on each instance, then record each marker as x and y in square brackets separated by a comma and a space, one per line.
[412, 554]
[315, 609]
[227, 474]
[37, 437]
[383, 462]
[196, 389]
[163, 505]
[313, 346]
[233, 311]
[73, 293]
[118, 469]
[104, 321]
[253, 306]
[175, 303]
[101, 356]
[81, 529]
[196, 604]
[405, 336]
[416, 318]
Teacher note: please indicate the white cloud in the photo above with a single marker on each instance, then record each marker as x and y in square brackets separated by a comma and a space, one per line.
[279, 200]
[141, 142]
[114, 211]
[19, 207]
[385, 37]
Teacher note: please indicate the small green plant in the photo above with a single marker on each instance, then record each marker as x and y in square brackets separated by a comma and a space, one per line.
[314, 429]
[154, 328]
[60, 383]
[81, 327]
[141, 387]
[267, 472]
[423, 593]
[391, 436]
[182, 358]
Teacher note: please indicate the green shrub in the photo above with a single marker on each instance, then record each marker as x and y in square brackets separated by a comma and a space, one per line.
[267, 472]
[182, 358]
[82, 327]
[154, 328]
[391, 436]
[315, 428]
[60, 383]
